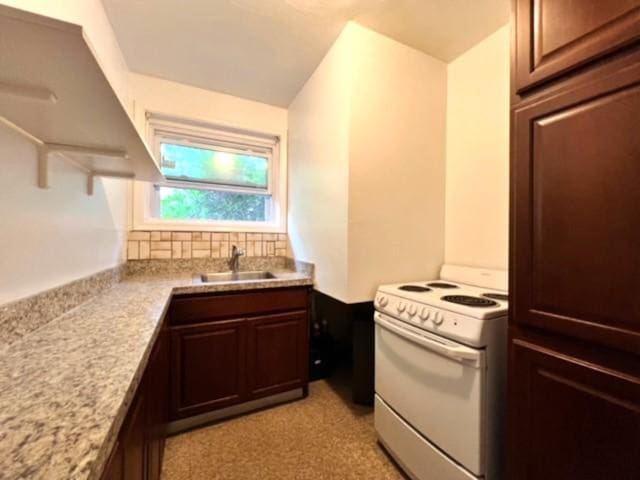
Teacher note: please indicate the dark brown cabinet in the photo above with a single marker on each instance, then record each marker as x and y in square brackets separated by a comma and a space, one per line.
[213, 351]
[574, 365]
[576, 178]
[277, 353]
[201, 308]
[556, 36]
[113, 470]
[208, 366]
[576, 419]
[137, 454]
[133, 440]
[157, 402]
[230, 348]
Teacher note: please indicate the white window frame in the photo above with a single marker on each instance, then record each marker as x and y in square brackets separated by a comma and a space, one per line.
[192, 133]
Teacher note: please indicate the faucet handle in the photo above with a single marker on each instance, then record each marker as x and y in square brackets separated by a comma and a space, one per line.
[236, 251]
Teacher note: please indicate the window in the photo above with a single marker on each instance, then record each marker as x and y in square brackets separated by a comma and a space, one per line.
[212, 183]
[218, 176]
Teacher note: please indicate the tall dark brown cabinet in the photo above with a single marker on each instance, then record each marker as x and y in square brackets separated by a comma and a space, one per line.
[574, 366]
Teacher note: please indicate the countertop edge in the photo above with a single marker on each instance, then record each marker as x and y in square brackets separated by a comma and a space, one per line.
[98, 353]
[97, 467]
[104, 452]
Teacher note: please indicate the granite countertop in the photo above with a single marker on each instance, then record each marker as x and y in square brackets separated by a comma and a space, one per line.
[65, 388]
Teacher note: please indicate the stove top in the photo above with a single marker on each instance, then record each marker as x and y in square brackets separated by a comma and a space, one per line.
[466, 305]
[470, 300]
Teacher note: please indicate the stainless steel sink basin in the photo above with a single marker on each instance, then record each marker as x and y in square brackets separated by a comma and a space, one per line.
[235, 277]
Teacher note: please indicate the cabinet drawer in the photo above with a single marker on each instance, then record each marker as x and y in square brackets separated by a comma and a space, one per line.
[195, 309]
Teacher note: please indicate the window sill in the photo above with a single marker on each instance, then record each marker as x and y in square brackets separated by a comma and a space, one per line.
[207, 226]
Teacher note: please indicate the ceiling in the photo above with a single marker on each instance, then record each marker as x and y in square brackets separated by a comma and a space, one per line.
[441, 28]
[265, 50]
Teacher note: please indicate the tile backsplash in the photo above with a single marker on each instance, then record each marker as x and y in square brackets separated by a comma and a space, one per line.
[179, 245]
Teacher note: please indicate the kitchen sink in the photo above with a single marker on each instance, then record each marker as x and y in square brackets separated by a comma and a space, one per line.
[235, 276]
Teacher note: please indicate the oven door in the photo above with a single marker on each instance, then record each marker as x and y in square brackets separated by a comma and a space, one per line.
[435, 385]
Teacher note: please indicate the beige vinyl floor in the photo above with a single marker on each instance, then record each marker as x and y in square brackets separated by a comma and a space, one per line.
[321, 437]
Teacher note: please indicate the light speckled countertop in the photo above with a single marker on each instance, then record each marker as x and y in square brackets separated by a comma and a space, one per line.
[65, 388]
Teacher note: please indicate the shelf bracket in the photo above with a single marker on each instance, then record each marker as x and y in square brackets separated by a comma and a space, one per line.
[90, 183]
[43, 167]
[28, 92]
[66, 152]
[80, 150]
[98, 173]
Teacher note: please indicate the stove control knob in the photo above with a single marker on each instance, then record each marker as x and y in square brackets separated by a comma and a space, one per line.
[412, 310]
[401, 307]
[383, 301]
[438, 318]
[424, 314]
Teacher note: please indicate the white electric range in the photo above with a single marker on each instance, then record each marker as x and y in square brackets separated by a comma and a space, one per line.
[440, 373]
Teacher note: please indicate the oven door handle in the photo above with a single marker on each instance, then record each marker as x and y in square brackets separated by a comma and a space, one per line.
[460, 353]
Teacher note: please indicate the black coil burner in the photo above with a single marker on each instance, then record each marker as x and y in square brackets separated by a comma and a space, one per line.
[414, 288]
[468, 301]
[442, 285]
[497, 296]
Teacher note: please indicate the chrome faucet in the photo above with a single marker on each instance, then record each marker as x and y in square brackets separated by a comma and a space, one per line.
[234, 261]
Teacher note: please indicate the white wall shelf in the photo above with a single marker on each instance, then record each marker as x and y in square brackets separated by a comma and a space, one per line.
[53, 91]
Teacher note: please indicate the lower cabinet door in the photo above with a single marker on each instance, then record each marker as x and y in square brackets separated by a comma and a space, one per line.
[208, 367]
[113, 470]
[157, 387]
[134, 439]
[277, 353]
[138, 452]
[571, 419]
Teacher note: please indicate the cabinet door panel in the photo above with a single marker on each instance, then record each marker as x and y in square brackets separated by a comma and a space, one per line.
[575, 192]
[277, 351]
[554, 36]
[208, 367]
[570, 418]
[157, 383]
[134, 439]
[113, 470]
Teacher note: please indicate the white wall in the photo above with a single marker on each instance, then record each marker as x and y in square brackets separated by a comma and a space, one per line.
[397, 164]
[50, 237]
[54, 236]
[90, 14]
[362, 151]
[163, 96]
[477, 195]
[319, 169]
[367, 159]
